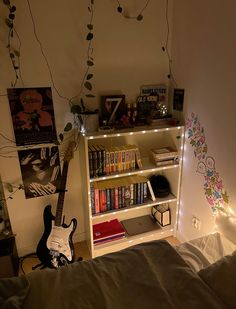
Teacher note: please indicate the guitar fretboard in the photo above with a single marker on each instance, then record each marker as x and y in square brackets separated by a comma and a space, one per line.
[61, 196]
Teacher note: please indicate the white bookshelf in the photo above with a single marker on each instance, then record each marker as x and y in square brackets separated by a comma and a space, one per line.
[145, 138]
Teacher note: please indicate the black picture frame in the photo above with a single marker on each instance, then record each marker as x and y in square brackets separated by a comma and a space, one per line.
[112, 109]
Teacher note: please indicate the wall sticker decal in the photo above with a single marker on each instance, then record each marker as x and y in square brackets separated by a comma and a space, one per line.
[213, 186]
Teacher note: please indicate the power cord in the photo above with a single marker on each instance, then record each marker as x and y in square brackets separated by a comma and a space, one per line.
[22, 259]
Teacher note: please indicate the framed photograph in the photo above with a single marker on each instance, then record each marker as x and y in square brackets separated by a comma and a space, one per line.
[40, 169]
[113, 108]
[160, 91]
[178, 100]
[32, 115]
[144, 109]
[156, 99]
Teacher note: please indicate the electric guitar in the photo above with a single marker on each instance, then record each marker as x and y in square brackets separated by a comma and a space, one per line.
[55, 247]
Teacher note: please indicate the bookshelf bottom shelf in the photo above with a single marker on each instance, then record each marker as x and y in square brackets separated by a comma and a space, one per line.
[128, 241]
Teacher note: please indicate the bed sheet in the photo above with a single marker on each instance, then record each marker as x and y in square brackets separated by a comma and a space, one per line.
[202, 252]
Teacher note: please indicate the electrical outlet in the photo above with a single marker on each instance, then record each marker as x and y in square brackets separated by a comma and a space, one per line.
[196, 223]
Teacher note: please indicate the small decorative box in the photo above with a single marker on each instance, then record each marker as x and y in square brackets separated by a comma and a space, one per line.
[162, 214]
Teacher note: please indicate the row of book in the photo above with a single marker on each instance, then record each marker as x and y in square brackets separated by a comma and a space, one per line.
[107, 231]
[119, 193]
[109, 160]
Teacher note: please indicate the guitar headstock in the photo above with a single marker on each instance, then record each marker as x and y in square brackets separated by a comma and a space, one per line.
[69, 153]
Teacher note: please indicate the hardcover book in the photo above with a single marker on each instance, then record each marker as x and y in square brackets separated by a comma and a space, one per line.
[164, 154]
[107, 229]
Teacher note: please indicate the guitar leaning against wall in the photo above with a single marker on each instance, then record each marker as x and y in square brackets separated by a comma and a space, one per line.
[55, 247]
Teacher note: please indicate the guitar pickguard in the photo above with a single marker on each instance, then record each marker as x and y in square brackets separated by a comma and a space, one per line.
[58, 240]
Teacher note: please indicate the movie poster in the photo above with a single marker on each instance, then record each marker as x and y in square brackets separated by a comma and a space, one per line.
[32, 115]
[40, 169]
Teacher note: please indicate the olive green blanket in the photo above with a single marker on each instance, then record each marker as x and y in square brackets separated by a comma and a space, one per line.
[149, 275]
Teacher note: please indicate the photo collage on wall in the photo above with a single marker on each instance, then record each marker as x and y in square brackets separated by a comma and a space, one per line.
[34, 123]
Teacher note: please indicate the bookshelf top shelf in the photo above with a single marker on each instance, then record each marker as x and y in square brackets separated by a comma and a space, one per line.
[130, 131]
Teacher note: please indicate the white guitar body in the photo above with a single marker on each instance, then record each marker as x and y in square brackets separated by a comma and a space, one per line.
[58, 240]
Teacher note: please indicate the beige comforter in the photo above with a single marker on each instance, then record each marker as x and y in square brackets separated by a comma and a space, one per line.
[149, 275]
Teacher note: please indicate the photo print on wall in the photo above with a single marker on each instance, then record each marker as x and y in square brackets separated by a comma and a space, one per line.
[40, 169]
[32, 115]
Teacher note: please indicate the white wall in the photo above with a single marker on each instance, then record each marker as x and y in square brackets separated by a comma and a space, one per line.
[204, 63]
[127, 55]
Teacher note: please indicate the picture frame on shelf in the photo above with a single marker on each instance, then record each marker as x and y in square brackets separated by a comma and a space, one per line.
[113, 108]
[157, 98]
[145, 107]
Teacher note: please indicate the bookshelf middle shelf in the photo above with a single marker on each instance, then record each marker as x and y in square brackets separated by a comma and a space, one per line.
[123, 212]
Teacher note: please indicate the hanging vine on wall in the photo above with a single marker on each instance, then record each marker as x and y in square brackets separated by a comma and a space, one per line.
[77, 103]
[14, 53]
[86, 88]
[138, 17]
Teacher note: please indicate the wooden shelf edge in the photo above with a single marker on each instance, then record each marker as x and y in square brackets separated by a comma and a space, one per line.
[131, 131]
[153, 168]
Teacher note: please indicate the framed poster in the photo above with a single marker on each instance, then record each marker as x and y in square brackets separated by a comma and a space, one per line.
[32, 115]
[40, 169]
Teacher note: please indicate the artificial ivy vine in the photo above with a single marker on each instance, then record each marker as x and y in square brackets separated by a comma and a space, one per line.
[14, 53]
[139, 17]
[86, 85]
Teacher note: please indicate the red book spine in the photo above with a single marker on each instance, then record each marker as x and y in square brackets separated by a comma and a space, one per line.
[102, 200]
[116, 198]
[96, 201]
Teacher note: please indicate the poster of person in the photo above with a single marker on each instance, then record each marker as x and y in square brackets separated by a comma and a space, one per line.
[32, 115]
[40, 169]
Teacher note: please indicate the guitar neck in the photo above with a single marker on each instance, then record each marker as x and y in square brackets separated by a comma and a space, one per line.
[61, 197]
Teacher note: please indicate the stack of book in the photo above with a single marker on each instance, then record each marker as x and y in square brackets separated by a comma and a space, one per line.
[119, 193]
[107, 231]
[165, 156]
[109, 160]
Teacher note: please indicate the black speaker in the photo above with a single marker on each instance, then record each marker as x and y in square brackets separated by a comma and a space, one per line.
[160, 185]
[9, 261]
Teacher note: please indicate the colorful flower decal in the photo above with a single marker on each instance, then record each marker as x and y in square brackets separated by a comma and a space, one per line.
[213, 186]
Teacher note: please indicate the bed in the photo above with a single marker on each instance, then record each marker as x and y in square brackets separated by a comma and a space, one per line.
[197, 274]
